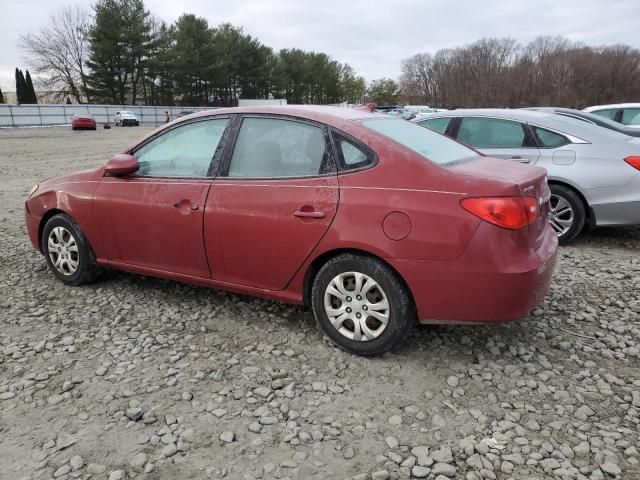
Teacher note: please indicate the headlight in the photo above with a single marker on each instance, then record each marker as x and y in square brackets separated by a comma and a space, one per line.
[33, 190]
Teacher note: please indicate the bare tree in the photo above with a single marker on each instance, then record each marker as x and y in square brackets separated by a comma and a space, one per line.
[59, 50]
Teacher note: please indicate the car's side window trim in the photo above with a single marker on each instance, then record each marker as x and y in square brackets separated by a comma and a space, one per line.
[214, 159]
[528, 138]
[329, 163]
[343, 168]
[539, 142]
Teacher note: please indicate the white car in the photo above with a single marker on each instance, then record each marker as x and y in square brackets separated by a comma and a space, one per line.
[124, 117]
[625, 113]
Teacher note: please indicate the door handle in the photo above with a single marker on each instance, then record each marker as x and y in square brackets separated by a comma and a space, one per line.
[312, 214]
[192, 206]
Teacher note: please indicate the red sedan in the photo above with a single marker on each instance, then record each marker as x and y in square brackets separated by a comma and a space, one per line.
[83, 122]
[374, 222]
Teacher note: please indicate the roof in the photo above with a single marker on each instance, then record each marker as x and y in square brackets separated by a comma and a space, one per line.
[613, 105]
[315, 112]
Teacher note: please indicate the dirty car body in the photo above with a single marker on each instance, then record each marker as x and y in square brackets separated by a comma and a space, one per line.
[274, 201]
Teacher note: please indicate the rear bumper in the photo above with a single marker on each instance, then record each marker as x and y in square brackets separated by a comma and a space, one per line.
[83, 124]
[616, 205]
[494, 281]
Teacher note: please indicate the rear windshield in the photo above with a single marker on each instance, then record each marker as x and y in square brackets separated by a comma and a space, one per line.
[431, 145]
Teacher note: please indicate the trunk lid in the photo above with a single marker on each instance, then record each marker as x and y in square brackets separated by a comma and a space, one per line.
[507, 178]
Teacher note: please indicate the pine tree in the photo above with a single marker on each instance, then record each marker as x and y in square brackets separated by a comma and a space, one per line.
[21, 87]
[30, 91]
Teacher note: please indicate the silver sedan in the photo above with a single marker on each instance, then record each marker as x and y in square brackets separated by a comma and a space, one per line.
[593, 172]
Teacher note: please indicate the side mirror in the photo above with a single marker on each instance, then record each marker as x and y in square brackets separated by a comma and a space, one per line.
[121, 164]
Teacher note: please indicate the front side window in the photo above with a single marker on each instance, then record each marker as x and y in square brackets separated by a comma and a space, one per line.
[609, 113]
[436, 124]
[548, 139]
[276, 148]
[481, 132]
[631, 116]
[431, 145]
[185, 151]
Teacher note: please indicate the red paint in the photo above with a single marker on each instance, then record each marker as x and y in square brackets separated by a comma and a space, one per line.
[261, 237]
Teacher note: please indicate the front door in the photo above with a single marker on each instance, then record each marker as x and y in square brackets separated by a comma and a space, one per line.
[506, 139]
[275, 198]
[154, 218]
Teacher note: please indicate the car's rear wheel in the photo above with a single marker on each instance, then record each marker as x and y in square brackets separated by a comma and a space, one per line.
[567, 213]
[68, 252]
[362, 305]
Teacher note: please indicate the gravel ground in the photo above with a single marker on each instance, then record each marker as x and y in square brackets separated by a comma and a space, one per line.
[147, 378]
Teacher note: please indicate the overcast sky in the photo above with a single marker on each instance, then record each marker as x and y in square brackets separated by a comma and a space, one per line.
[374, 36]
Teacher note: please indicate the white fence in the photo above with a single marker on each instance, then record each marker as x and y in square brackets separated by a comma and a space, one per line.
[48, 115]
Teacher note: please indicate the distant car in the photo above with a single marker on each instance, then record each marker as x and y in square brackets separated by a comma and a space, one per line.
[373, 222]
[594, 173]
[184, 113]
[589, 118]
[125, 118]
[83, 122]
[624, 113]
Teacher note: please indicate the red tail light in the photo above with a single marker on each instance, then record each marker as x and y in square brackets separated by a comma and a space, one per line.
[512, 213]
[634, 162]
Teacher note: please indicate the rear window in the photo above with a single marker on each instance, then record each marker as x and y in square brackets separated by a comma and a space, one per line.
[431, 145]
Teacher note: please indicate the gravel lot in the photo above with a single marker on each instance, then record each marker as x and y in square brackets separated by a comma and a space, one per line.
[147, 378]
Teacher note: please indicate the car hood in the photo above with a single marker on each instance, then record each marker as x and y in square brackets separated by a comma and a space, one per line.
[84, 176]
[128, 115]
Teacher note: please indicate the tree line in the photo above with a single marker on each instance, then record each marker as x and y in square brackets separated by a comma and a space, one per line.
[549, 71]
[121, 53]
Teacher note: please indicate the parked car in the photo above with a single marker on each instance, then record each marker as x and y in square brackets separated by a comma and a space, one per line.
[624, 113]
[589, 118]
[593, 172]
[125, 118]
[372, 221]
[83, 122]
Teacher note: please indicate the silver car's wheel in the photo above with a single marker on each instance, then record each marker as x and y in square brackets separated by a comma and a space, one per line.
[63, 251]
[356, 306]
[561, 214]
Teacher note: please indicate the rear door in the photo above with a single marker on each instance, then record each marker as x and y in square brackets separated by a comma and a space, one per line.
[498, 138]
[271, 203]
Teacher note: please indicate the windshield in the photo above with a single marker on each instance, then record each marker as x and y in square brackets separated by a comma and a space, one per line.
[126, 113]
[431, 145]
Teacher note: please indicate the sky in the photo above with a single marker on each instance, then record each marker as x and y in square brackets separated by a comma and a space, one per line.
[373, 36]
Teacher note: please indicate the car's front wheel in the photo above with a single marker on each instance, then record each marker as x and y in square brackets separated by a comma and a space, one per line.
[567, 213]
[68, 252]
[362, 304]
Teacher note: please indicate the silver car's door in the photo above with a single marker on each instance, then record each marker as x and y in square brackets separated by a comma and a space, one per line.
[499, 138]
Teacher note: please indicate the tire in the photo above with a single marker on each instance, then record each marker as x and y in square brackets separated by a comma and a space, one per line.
[568, 213]
[73, 128]
[78, 265]
[375, 337]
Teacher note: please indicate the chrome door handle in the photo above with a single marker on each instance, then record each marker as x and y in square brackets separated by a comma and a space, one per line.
[303, 214]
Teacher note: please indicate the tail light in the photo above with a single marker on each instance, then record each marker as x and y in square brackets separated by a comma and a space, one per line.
[512, 213]
[634, 162]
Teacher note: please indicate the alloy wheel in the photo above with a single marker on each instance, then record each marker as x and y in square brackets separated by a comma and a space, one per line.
[561, 215]
[63, 251]
[356, 306]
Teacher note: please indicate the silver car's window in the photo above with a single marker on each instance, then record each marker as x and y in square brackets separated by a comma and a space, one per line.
[431, 145]
[436, 124]
[480, 132]
[275, 148]
[609, 113]
[549, 139]
[184, 151]
[631, 116]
